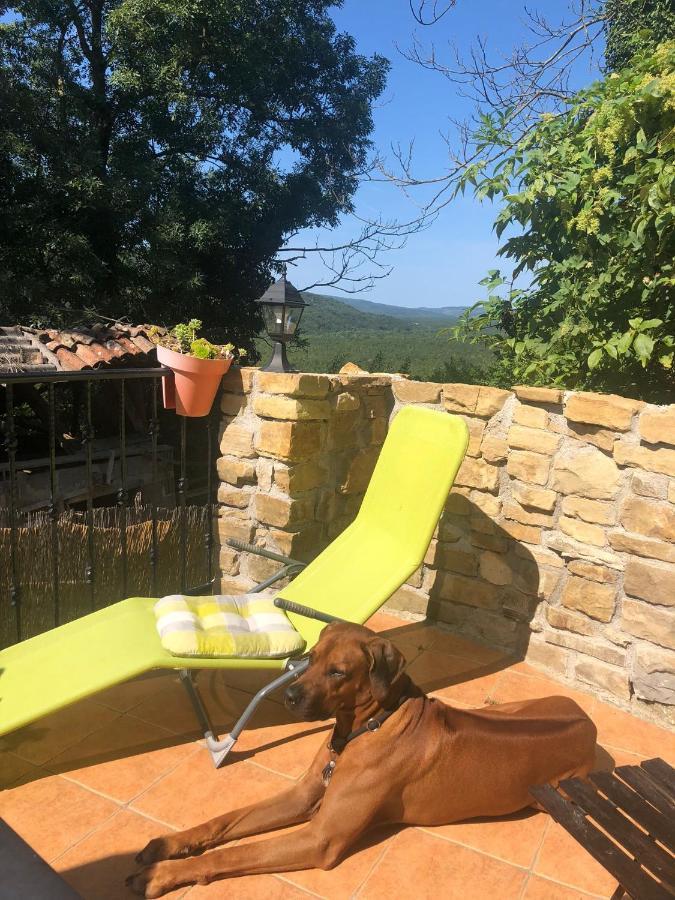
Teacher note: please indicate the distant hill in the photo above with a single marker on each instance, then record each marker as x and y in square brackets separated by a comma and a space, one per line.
[381, 338]
[441, 316]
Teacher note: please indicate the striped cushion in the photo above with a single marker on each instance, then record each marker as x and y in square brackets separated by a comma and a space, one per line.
[244, 625]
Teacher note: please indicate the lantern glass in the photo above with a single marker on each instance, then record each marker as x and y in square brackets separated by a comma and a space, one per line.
[281, 320]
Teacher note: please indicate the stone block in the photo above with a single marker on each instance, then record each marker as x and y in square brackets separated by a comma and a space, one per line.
[235, 584]
[347, 402]
[294, 384]
[494, 449]
[233, 496]
[230, 527]
[547, 656]
[653, 623]
[303, 544]
[653, 460]
[305, 476]
[239, 379]
[571, 549]
[416, 578]
[236, 439]
[530, 534]
[657, 426]
[538, 394]
[548, 579]
[654, 675]
[458, 504]
[264, 470]
[417, 391]
[582, 531]
[648, 484]
[568, 621]
[232, 404]
[602, 409]
[452, 560]
[613, 680]
[486, 503]
[495, 568]
[235, 471]
[541, 555]
[476, 428]
[530, 416]
[355, 476]
[469, 591]
[593, 511]
[530, 467]
[295, 441]
[475, 473]
[650, 518]
[601, 574]
[272, 406]
[534, 497]
[534, 439]
[473, 399]
[282, 511]
[671, 491]
[378, 430]
[586, 472]
[495, 542]
[604, 652]
[653, 582]
[589, 597]
[408, 599]
[228, 561]
[515, 511]
[591, 434]
[376, 406]
[642, 546]
[257, 567]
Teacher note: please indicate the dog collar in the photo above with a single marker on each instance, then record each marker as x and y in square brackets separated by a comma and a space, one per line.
[374, 723]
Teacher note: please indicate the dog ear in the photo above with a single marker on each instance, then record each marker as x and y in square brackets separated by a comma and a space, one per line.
[386, 665]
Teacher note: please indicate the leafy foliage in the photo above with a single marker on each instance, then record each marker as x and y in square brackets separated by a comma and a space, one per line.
[590, 195]
[155, 154]
[635, 25]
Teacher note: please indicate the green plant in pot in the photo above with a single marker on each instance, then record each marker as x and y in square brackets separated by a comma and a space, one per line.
[197, 366]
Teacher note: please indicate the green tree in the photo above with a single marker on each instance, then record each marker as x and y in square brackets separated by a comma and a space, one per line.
[155, 154]
[635, 25]
[589, 200]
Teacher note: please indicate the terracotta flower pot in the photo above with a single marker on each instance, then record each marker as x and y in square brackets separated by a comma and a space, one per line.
[195, 382]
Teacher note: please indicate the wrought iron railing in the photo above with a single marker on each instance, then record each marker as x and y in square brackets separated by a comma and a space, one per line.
[23, 520]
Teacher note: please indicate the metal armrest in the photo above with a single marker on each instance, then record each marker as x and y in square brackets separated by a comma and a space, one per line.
[268, 554]
[306, 611]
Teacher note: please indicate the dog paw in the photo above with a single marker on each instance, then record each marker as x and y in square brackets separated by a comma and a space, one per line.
[147, 883]
[153, 851]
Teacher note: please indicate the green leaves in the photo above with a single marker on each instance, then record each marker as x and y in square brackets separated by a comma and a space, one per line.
[594, 192]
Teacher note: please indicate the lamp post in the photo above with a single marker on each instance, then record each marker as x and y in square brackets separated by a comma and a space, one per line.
[282, 307]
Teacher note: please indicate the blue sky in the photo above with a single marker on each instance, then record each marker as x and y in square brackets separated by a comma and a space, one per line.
[442, 265]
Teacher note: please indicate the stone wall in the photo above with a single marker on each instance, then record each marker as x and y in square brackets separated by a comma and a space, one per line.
[557, 541]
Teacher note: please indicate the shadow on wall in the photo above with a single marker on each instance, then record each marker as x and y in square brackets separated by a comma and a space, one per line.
[477, 578]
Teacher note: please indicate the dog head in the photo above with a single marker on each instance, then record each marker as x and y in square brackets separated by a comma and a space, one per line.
[350, 667]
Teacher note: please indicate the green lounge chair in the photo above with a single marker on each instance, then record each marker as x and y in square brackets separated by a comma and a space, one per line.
[350, 579]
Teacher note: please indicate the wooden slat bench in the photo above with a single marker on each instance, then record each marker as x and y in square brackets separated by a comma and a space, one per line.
[626, 820]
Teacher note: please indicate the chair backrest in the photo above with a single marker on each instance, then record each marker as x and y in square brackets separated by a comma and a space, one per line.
[389, 538]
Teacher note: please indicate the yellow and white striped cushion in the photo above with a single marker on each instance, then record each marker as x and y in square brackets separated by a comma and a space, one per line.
[237, 626]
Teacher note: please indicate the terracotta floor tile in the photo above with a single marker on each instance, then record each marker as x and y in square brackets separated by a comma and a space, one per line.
[512, 687]
[447, 642]
[434, 671]
[195, 791]
[98, 866]
[123, 697]
[123, 758]
[621, 730]
[515, 838]
[346, 878]
[564, 860]
[426, 867]
[13, 768]
[170, 707]
[52, 734]
[287, 747]
[473, 692]
[248, 681]
[543, 889]
[52, 814]
[250, 887]
[382, 621]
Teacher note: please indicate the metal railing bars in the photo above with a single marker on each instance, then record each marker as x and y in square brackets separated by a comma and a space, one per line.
[53, 511]
[11, 445]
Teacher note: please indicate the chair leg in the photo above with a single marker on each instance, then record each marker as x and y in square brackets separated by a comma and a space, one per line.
[219, 748]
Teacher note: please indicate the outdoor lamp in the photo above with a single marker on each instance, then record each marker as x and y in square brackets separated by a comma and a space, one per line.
[282, 307]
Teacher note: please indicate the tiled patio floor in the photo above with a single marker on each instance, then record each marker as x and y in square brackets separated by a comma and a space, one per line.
[89, 786]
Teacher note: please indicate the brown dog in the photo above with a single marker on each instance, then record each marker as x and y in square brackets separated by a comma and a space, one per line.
[426, 764]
